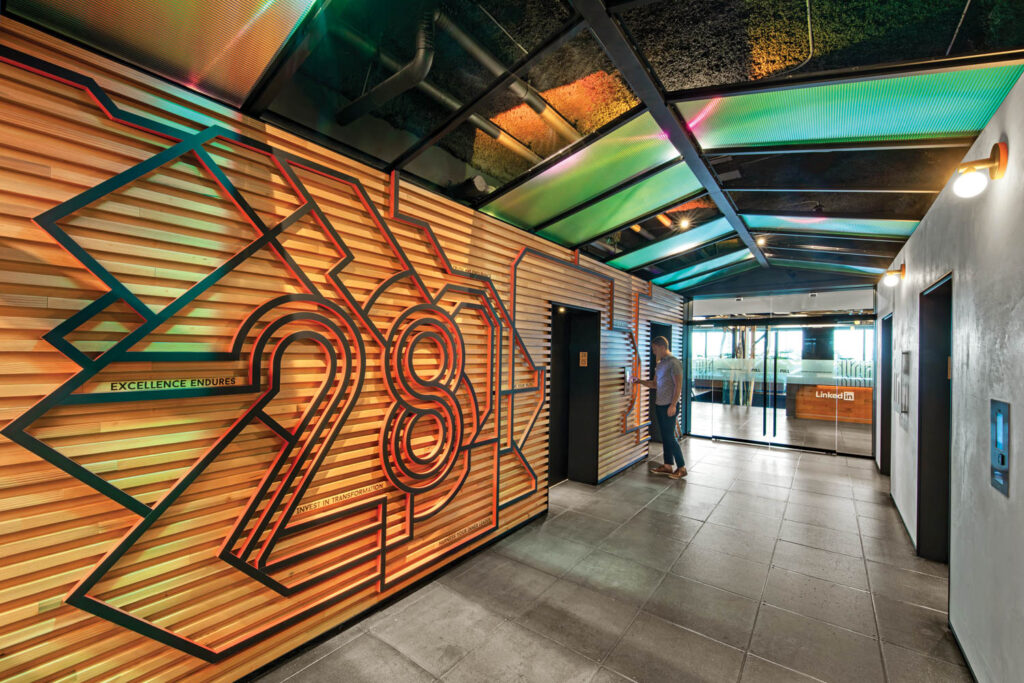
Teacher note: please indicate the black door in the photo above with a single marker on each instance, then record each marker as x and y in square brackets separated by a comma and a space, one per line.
[574, 394]
[885, 397]
[933, 418]
[657, 330]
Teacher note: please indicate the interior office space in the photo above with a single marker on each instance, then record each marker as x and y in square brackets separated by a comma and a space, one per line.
[320, 323]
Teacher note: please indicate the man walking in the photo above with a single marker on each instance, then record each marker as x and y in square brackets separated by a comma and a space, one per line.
[668, 385]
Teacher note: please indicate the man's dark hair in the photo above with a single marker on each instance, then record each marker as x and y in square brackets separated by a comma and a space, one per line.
[660, 341]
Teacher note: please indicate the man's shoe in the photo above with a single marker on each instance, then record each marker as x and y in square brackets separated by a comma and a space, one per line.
[664, 469]
[678, 474]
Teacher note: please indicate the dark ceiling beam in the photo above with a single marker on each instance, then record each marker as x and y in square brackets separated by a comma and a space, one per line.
[836, 216]
[833, 190]
[851, 75]
[787, 320]
[569, 31]
[849, 258]
[295, 50]
[631, 67]
[629, 182]
[817, 246]
[819, 236]
[780, 280]
[874, 146]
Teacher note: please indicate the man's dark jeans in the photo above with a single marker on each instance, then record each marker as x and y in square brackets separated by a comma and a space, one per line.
[667, 429]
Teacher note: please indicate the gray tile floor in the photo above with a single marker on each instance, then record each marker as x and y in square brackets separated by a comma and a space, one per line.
[763, 565]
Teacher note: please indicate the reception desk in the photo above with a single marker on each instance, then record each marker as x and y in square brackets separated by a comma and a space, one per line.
[827, 402]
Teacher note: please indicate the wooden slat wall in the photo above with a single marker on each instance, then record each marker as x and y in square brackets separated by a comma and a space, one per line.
[161, 234]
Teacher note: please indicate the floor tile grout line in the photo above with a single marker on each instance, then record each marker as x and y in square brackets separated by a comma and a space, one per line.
[874, 609]
[760, 603]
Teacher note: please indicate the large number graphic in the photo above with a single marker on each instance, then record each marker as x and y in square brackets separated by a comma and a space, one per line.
[375, 401]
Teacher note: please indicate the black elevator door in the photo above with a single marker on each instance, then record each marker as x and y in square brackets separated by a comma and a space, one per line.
[573, 406]
[933, 421]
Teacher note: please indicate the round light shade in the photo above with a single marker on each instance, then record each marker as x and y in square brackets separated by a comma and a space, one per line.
[970, 184]
[891, 278]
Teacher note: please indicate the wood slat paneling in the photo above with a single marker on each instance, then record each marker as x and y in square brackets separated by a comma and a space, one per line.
[212, 464]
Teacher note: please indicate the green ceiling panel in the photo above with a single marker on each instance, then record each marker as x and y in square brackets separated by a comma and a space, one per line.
[632, 148]
[854, 227]
[663, 189]
[825, 265]
[711, 277]
[906, 107]
[704, 266]
[677, 244]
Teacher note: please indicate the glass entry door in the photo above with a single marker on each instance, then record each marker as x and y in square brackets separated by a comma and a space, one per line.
[806, 386]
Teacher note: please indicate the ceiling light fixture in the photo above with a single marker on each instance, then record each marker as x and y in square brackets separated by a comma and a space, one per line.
[971, 179]
[684, 223]
[761, 241]
[893, 277]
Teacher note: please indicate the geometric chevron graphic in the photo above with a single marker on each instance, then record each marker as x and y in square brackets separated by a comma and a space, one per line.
[364, 386]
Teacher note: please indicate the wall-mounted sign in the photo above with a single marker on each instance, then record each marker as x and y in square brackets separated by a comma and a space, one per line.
[583, 359]
[182, 383]
[835, 395]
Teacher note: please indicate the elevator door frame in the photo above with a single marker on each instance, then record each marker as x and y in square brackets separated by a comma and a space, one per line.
[574, 399]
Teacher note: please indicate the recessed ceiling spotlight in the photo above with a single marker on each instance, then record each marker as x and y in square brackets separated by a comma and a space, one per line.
[761, 241]
[971, 179]
[684, 223]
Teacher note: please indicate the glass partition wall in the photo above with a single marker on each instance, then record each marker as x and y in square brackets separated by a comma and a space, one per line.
[784, 383]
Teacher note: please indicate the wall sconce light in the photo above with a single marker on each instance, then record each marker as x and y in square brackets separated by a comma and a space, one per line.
[971, 180]
[893, 277]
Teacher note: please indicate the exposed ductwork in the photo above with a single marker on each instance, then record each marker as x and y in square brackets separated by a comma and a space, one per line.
[406, 77]
[433, 92]
[522, 90]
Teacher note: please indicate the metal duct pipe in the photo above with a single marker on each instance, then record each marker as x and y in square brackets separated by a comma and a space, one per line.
[408, 76]
[522, 90]
[441, 97]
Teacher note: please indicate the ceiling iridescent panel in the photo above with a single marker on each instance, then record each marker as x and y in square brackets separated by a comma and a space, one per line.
[939, 104]
[634, 147]
[219, 48]
[853, 227]
[704, 267]
[713, 276]
[677, 244]
[658, 192]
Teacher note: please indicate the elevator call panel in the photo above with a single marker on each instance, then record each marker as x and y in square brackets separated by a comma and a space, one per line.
[999, 446]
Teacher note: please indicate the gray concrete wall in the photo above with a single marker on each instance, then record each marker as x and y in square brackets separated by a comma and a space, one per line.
[981, 242]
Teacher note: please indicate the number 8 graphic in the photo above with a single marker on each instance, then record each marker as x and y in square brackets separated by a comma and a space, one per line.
[418, 399]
